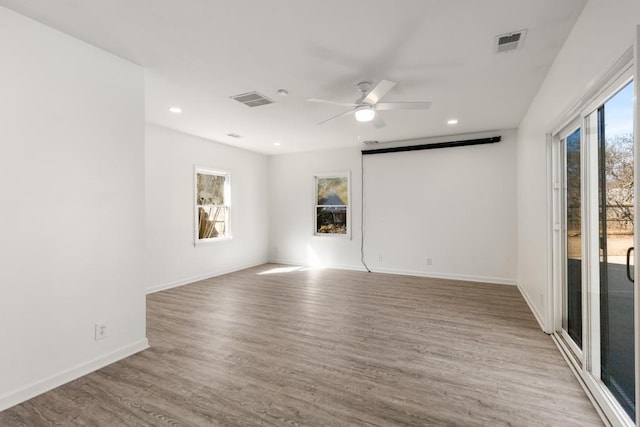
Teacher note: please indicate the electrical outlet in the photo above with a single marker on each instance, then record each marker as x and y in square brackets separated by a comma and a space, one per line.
[429, 261]
[101, 331]
[379, 258]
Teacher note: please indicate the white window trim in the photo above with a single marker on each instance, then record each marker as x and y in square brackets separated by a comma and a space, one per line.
[344, 174]
[227, 199]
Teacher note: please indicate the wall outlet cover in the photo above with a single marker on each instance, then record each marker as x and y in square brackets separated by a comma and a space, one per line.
[101, 330]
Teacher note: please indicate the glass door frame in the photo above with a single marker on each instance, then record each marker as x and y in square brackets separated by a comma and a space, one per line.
[586, 363]
[560, 234]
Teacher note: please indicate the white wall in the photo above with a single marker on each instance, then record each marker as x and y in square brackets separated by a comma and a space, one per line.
[72, 208]
[291, 199]
[456, 206]
[604, 31]
[453, 206]
[171, 258]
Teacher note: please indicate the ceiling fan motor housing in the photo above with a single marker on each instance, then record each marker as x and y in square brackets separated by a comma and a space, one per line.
[364, 86]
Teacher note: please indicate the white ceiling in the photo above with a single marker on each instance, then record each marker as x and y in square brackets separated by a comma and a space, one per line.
[197, 53]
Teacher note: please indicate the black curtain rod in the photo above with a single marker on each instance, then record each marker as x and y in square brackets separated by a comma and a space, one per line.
[481, 141]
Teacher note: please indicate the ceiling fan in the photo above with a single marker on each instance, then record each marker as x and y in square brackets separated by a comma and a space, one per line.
[368, 104]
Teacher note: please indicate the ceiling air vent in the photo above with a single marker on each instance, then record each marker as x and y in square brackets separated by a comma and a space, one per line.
[252, 99]
[510, 41]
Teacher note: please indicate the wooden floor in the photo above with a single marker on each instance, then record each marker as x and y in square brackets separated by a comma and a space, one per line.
[328, 347]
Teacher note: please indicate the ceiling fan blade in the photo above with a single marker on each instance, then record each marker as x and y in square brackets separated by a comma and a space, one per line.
[403, 106]
[377, 122]
[324, 101]
[346, 113]
[378, 92]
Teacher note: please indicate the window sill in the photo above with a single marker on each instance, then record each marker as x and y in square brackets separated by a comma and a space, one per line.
[333, 236]
[209, 242]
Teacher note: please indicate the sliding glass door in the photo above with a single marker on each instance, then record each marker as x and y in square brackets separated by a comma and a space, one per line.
[595, 171]
[616, 218]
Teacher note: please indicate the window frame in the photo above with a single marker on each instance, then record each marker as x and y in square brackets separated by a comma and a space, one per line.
[202, 170]
[325, 175]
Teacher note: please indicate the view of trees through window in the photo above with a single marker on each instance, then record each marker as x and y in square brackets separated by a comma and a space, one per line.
[332, 200]
[212, 211]
[618, 171]
[619, 175]
[574, 198]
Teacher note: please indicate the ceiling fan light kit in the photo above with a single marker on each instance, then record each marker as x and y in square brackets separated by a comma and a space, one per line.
[365, 113]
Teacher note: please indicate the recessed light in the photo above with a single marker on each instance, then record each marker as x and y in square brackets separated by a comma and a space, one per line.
[277, 144]
[452, 122]
[175, 110]
[283, 92]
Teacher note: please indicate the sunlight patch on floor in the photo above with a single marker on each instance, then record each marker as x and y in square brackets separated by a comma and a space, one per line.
[280, 270]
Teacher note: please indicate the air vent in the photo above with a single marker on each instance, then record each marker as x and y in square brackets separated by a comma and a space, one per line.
[510, 41]
[252, 99]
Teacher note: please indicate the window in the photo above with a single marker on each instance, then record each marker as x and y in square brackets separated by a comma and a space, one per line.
[332, 216]
[212, 194]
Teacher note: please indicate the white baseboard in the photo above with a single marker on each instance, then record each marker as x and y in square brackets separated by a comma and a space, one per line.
[21, 395]
[181, 282]
[360, 267]
[533, 309]
[480, 279]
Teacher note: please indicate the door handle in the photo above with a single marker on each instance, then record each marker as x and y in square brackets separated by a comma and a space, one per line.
[628, 258]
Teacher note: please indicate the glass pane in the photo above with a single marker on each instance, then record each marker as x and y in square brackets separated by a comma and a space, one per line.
[212, 221]
[616, 237]
[331, 220]
[572, 321]
[210, 189]
[332, 191]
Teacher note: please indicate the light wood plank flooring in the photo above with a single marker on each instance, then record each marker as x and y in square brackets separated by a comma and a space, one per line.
[328, 347]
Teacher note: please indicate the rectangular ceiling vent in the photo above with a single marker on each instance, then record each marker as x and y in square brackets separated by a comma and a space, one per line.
[510, 41]
[252, 99]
